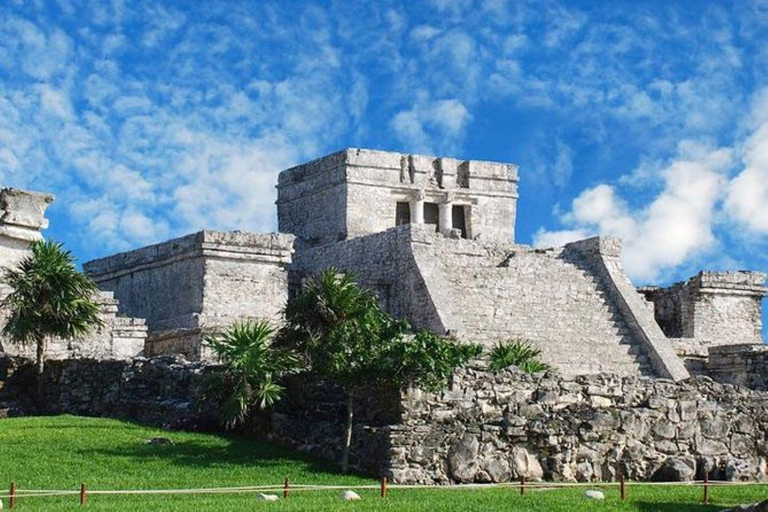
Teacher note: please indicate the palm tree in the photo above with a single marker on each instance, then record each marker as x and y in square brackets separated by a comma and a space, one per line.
[49, 299]
[342, 333]
[252, 366]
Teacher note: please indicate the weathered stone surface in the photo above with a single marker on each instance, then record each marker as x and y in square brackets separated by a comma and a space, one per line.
[355, 192]
[22, 218]
[525, 465]
[198, 283]
[462, 458]
[677, 469]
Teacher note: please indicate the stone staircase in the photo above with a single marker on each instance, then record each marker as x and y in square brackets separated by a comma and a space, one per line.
[544, 298]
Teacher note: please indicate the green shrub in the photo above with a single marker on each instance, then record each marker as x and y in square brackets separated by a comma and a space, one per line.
[517, 352]
[252, 367]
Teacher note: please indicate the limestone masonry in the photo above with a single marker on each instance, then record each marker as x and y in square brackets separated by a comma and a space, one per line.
[664, 383]
[435, 238]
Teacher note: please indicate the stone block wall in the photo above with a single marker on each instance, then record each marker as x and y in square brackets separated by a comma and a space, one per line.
[382, 262]
[714, 308]
[485, 428]
[355, 192]
[119, 338]
[197, 284]
[164, 391]
[311, 201]
[496, 428]
[740, 365]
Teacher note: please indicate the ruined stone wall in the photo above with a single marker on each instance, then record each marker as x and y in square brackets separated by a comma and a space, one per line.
[355, 192]
[485, 428]
[195, 285]
[161, 283]
[495, 428]
[164, 391]
[22, 218]
[382, 262]
[311, 201]
[712, 308]
[119, 338]
[740, 365]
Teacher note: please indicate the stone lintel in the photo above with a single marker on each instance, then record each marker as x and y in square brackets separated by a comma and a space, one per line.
[736, 282]
[269, 247]
[393, 161]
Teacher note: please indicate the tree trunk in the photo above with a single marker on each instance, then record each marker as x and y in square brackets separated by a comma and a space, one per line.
[347, 433]
[41, 342]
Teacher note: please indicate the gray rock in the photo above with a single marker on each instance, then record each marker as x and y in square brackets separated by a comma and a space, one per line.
[677, 469]
[498, 470]
[462, 458]
[524, 464]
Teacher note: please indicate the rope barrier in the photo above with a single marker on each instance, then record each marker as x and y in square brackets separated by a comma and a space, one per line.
[36, 493]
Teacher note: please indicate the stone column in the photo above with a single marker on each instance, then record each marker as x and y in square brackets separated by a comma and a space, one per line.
[22, 218]
[417, 207]
[446, 214]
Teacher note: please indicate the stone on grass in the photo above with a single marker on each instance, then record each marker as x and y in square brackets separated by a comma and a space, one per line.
[267, 497]
[594, 495]
[349, 495]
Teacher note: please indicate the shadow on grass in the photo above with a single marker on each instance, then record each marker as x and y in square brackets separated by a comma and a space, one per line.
[676, 507]
[236, 452]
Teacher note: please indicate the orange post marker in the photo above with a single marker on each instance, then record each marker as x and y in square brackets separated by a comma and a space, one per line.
[706, 488]
[383, 487]
[623, 488]
[83, 496]
[285, 489]
[12, 499]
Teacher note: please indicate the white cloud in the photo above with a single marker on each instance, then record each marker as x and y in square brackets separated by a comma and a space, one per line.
[675, 226]
[56, 102]
[747, 198]
[431, 126]
[424, 32]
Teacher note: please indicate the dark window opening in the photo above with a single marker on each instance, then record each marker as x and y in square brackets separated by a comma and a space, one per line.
[462, 175]
[432, 215]
[459, 220]
[402, 214]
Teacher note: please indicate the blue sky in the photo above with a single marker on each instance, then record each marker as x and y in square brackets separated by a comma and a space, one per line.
[151, 119]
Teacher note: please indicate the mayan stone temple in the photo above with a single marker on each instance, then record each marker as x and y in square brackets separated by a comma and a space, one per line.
[435, 237]
[643, 381]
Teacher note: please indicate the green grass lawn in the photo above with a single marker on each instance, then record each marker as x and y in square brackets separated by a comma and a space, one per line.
[60, 452]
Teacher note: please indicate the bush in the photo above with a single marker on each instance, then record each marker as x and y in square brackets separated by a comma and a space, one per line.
[518, 352]
[252, 365]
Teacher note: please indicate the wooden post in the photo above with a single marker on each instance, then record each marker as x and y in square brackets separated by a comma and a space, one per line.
[383, 487]
[522, 485]
[285, 489]
[706, 488]
[83, 496]
[623, 487]
[12, 498]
